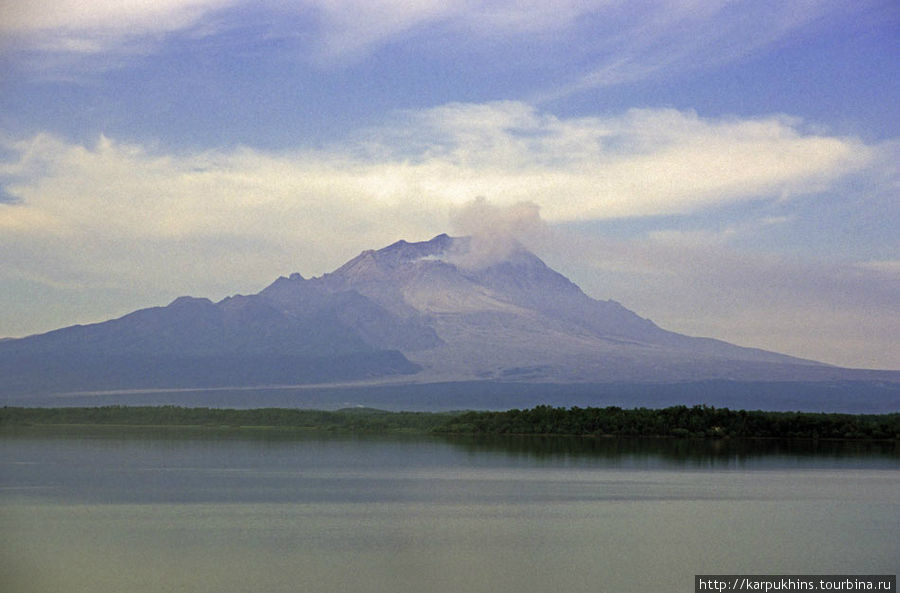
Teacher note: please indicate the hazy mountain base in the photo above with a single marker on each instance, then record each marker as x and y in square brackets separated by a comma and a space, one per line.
[28, 374]
[872, 397]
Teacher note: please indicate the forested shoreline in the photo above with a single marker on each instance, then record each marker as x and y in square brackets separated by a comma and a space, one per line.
[678, 421]
[674, 422]
[350, 419]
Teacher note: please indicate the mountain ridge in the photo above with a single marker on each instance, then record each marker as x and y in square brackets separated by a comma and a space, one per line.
[446, 309]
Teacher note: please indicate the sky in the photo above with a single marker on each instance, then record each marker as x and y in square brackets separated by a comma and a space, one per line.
[725, 168]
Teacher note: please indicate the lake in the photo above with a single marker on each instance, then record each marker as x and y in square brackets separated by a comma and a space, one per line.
[104, 510]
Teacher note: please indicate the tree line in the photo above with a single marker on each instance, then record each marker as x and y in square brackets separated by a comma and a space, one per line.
[350, 419]
[677, 421]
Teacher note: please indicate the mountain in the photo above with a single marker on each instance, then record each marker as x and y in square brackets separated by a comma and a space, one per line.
[510, 316]
[438, 311]
[195, 343]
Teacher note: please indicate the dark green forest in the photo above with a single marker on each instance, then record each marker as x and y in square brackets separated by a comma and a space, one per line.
[676, 421]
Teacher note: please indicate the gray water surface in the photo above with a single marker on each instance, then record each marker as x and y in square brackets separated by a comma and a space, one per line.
[102, 510]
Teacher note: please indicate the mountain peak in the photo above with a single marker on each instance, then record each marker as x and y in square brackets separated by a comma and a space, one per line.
[467, 253]
[378, 265]
[405, 251]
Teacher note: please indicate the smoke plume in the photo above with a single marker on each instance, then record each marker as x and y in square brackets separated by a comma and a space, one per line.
[495, 232]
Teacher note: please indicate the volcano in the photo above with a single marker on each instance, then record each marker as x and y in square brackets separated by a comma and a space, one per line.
[431, 312]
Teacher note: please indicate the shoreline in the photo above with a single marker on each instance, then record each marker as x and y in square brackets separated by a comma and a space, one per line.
[677, 422]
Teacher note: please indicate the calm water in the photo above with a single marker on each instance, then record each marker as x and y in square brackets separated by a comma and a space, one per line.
[105, 511]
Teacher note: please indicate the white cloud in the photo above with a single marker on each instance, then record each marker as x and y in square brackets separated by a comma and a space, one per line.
[38, 15]
[75, 26]
[645, 162]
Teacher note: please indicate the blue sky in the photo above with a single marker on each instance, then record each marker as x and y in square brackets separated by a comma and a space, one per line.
[726, 169]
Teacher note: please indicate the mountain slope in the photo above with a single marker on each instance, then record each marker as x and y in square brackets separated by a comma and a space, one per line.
[191, 343]
[517, 318]
[431, 311]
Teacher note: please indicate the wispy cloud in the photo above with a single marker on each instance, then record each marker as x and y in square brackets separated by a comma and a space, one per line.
[87, 28]
[664, 38]
[340, 29]
[618, 42]
[349, 29]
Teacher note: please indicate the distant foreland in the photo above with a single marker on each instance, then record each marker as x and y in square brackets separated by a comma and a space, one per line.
[409, 317]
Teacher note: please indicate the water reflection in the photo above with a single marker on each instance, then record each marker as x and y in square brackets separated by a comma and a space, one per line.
[687, 452]
[543, 450]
